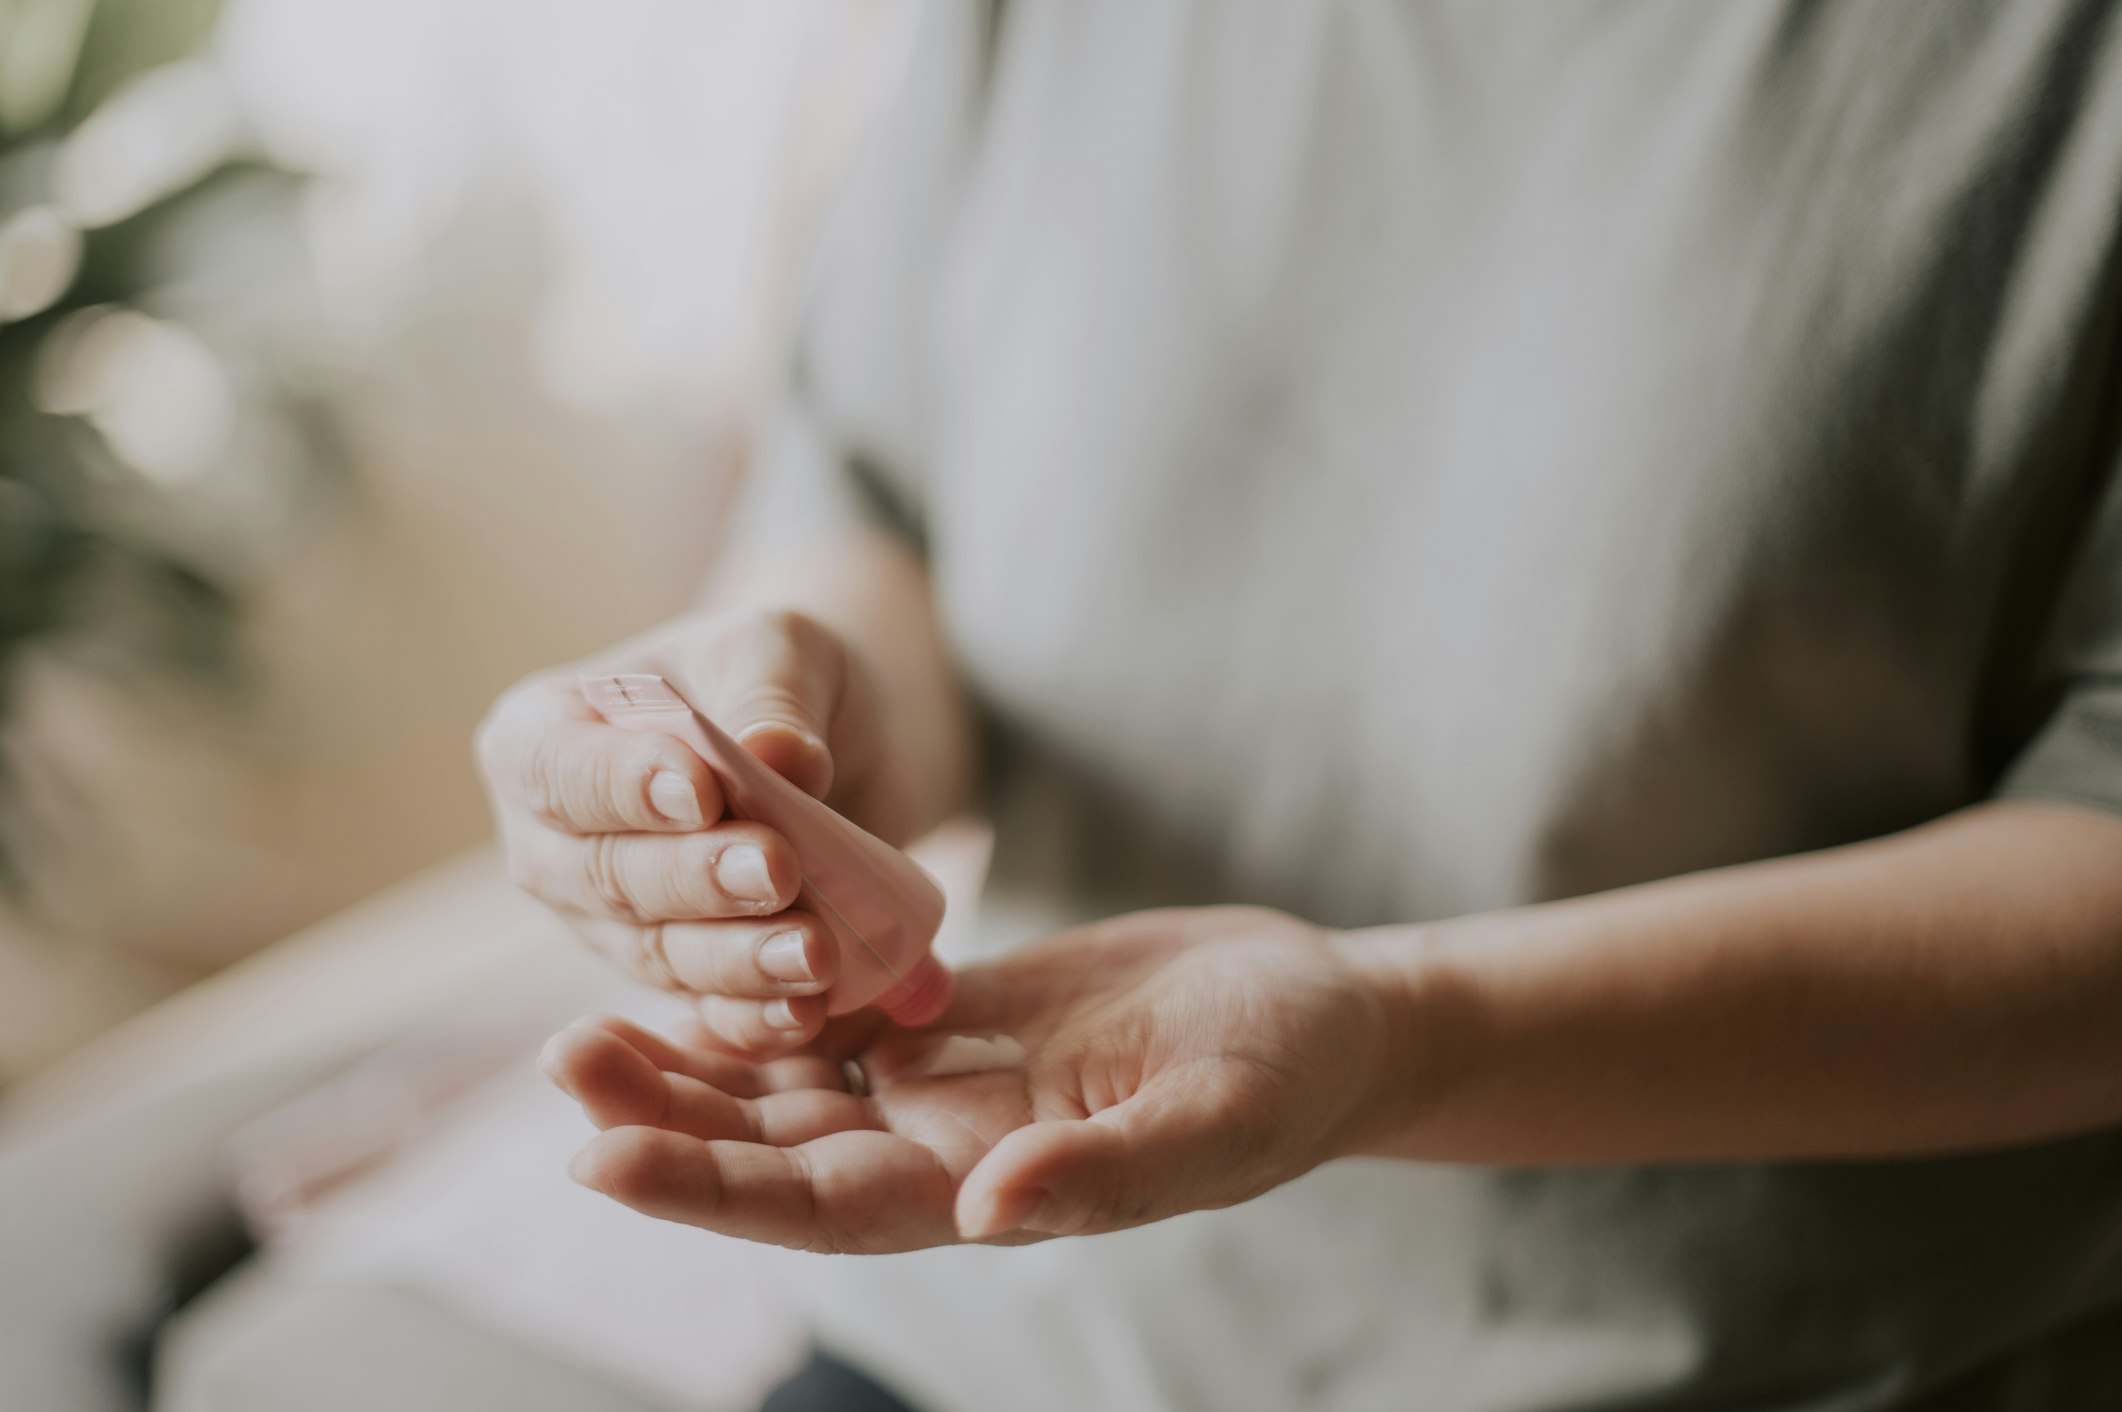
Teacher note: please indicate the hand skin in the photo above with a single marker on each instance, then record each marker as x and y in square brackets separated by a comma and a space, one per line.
[1175, 1060]
[844, 687]
[1955, 986]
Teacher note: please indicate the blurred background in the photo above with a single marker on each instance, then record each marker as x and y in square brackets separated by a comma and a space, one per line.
[356, 357]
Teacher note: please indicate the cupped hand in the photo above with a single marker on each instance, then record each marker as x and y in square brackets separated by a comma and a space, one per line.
[624, 833]
[1172, 1061]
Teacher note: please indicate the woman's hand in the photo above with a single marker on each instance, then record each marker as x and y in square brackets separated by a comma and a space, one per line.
[1817, 1006]
[624, 833]
[1172, 1061]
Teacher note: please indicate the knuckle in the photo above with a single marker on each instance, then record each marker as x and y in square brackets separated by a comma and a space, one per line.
[544, 765]
[750, 1120]
[767, 645]
[595, 783]
[743, 1023]
[721, 962]
[568, 783]
[619, 784]
[632, 1164]
[638, 758]
[604, 876]
[692, 882]
[717, 1021]
[806, 1186]
[651, 962]
[748, 1026]
[776, 702]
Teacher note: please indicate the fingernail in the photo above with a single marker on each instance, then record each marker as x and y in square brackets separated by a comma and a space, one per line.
[809, 738]
[675, 798]
[782, 1016]
[783, 956]
[744, 875]
[1004, 1210]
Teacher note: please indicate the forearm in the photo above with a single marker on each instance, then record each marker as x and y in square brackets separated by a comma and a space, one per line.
[1955, 986]
[874, 593]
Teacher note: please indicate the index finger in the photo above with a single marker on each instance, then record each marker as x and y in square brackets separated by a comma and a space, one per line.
[544, 750]
[853, 1191]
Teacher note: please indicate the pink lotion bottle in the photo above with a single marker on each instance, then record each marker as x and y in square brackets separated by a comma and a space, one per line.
[881, 908]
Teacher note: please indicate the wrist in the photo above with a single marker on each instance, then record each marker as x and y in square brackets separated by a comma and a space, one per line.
[919, 752]
[1421, 1011]
[912, 777]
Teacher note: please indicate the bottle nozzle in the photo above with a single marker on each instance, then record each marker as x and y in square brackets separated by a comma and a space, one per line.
[921, 994]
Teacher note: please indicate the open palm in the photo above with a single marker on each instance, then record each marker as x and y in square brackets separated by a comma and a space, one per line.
[1171, 1061]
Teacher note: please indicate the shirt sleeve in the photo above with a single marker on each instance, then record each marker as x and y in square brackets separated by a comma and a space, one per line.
[2076, 753]
[810, 484]
[846, 449]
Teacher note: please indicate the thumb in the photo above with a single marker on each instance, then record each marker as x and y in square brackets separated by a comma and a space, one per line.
[1158, 1154]
[774, 684]
[790, 747]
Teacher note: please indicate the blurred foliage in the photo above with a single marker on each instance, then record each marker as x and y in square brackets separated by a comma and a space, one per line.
[64, 58]
[126, 38]
[89, 552]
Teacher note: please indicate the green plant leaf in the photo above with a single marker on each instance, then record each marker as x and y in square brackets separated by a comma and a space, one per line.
[121, 262]
[126, 38]
[40, 51]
